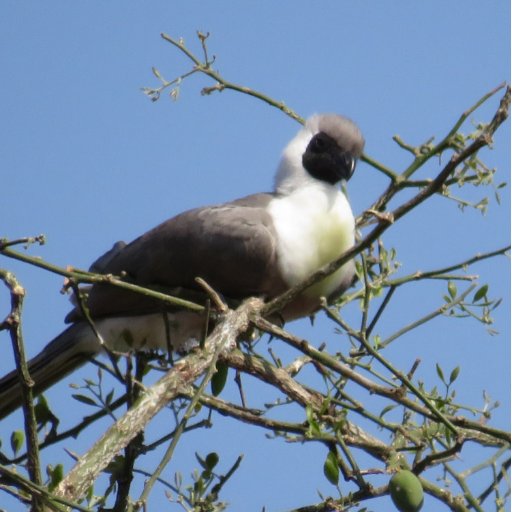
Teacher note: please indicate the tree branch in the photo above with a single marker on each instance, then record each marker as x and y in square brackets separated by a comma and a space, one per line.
[185, 371]
[13, 324]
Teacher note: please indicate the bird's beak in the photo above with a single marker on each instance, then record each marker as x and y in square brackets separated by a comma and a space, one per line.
[346, 165]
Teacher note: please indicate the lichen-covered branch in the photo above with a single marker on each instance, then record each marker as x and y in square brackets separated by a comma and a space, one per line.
[184, 372]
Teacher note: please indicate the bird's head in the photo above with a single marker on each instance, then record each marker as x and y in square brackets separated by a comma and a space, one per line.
[325, 150]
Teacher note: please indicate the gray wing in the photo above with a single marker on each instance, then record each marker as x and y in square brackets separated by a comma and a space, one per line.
[231, 246]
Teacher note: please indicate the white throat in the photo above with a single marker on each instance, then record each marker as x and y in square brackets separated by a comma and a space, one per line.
[291, 174]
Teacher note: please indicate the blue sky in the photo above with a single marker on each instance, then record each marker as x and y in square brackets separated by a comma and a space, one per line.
[87, 159]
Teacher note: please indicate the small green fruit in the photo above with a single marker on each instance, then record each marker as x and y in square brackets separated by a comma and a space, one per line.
[219, 379]
[331, 469]
[406, 491]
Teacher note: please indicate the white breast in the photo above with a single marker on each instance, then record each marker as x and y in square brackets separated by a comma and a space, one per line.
[315, 225]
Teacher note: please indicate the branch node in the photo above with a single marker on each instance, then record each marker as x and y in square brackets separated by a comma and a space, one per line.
[386, 217]
[217, 300]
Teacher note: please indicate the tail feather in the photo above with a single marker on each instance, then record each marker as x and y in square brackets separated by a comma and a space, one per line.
[78, 343]
[65, 353]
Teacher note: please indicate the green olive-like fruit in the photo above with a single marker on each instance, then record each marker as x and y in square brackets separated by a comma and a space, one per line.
[406, 491]
[219, 379]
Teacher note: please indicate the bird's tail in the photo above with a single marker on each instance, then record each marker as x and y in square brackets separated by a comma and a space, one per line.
[68, 351]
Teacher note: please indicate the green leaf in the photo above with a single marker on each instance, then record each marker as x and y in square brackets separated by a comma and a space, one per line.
[211, 460]
[208, 463]
[452, 289]
[200, 460]
[454, 374]
[108, 399]
[480, 293]
[178, 480]
[496, 304]
[448, 435]
[42, 411]
[386, 410]
[310, 414]
[85, 399]
[56, 475]
[89, 495]
[219, 379]
[331, 468]
[314, 427]
[440, 372]
[17, 439]
[376, 291]
[199, 487]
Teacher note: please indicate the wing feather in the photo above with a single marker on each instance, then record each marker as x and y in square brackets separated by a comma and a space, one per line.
[231, 246]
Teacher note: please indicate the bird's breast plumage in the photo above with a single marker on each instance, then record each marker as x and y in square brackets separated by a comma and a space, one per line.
[315, 225]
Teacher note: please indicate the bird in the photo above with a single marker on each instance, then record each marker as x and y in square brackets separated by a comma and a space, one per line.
[260, 245]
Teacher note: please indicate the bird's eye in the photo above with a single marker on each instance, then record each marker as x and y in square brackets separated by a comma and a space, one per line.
[319, 144]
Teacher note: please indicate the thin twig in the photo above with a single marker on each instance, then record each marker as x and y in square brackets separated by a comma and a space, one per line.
[141, 502]
[49, 499]
[426, 318]
[222, 83]
[13, 325]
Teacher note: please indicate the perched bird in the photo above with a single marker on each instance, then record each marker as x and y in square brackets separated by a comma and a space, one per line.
[260, 245]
